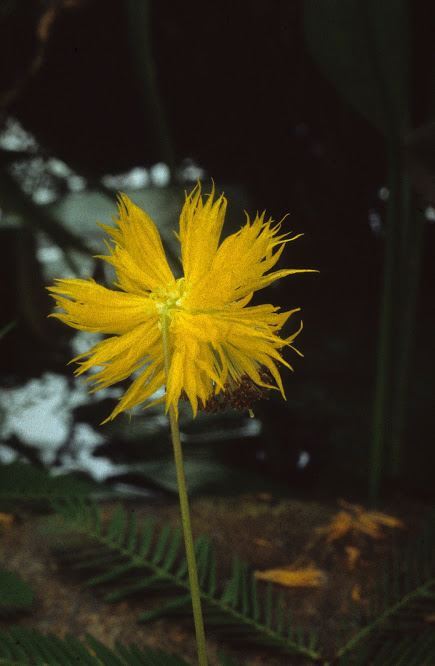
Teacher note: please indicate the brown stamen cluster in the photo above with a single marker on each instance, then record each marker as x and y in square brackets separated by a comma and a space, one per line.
[239, 396]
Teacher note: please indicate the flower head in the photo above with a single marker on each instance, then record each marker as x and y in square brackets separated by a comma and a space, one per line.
[214, 340]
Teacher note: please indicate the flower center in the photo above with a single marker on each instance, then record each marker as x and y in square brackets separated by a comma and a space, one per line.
[170, 299]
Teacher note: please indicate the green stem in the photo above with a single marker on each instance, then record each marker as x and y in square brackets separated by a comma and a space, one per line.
[140, 33]
[184, 509]
[395, 120]
[384, 379]
[406, 319]
[400, 297]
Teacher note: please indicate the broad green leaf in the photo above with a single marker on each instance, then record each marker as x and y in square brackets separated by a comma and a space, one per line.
[27, 482]
[6, 328]
[15, 594]
[362, 47]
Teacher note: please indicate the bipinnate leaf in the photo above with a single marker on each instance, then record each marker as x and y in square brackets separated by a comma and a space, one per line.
[24, 647]
[131, 560]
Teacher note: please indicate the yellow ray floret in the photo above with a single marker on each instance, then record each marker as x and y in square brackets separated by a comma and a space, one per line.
[214, 338]
[138, 255]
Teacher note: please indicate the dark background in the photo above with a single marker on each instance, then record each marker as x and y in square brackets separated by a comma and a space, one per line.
[106, 85]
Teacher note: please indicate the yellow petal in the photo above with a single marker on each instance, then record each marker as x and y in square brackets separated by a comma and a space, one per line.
[141, 390]
[364, 523]
[207, 348]
[352, 556]
[122, 355]
[304, 577]
[200, 229]
[193, 368]
[138, 255]
[356, 593]
[240, 265]
[6, 519]
[340, 525]
[175, 379]
[385, 519]
[90, 307]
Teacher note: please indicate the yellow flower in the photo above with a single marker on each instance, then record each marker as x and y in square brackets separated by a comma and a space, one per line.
[215, 341]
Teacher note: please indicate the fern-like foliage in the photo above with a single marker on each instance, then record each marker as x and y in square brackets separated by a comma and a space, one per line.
[403, 597]
[131, 560]
[407, 651]
[24, 647]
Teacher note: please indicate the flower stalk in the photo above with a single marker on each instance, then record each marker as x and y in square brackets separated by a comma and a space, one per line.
[184, 508]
